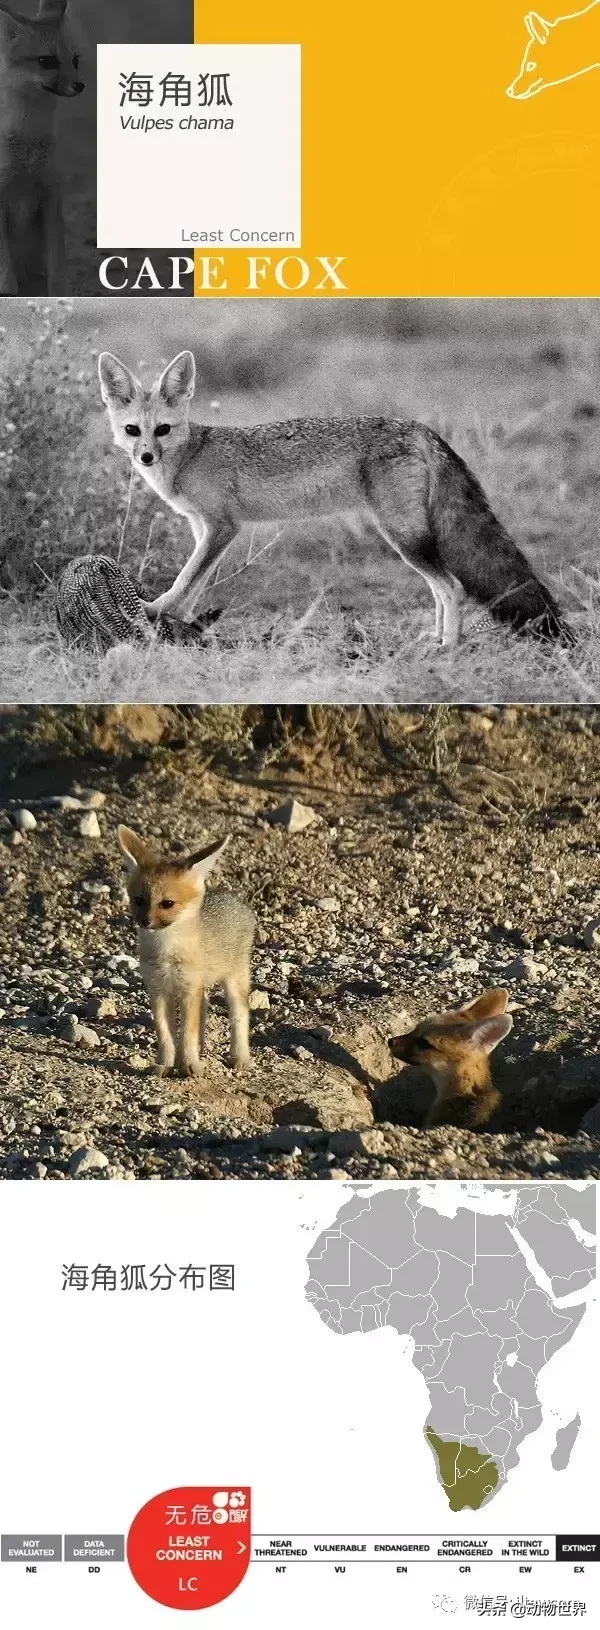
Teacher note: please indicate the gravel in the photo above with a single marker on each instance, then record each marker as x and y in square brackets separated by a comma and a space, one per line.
[471, 861]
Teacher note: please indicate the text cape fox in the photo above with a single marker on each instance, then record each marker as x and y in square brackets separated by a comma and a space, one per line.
[188, 942]
[401, 477]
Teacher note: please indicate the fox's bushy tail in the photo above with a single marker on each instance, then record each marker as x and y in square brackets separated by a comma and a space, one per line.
[475, 547]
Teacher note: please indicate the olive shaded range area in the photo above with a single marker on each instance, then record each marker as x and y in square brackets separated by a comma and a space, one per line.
[468, 1477]
[483, 1295]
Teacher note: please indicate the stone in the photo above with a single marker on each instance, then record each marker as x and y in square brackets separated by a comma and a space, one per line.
[286, 1139]
[329, 904]
[69, 1029]
[367, 1044]
[448, 1157]
[90, 799]
[24, 820]
[526, 969]
[259, 1001]
[87, 1159]
[100, 1007]
[591, 935]
[332, 1106]
[89, 825]
[367, 1140]
[292, 814]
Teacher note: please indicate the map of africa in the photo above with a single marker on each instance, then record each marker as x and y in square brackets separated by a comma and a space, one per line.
[486, 1299]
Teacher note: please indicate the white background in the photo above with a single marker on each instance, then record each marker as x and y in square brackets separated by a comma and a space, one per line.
[110, 1398]
[152, 186]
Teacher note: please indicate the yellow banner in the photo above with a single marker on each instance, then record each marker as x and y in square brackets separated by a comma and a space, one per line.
[447, 150]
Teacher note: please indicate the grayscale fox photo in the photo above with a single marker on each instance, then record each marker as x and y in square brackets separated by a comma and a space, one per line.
[386, 501]
[299, 942]
[48, 135]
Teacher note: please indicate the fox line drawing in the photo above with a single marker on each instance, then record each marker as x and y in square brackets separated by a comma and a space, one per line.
[189, 940]
[454, 1048]
[401, 477]
[558, 51]
[38, 63]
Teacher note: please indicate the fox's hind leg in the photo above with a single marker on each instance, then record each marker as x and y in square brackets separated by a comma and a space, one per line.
[237, 994]
[203, 1019]
[422, 554]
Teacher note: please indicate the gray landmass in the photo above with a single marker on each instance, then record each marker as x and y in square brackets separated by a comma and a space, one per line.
[476, 1294]
[565, 1439]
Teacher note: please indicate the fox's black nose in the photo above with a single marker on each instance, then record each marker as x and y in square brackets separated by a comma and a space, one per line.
[147, 458]
[78, 87]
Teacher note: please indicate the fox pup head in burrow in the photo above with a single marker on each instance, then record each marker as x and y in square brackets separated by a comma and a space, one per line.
[449, 1039]
[149, 425]
[162, 889]
[453, 1049]
[39, 51]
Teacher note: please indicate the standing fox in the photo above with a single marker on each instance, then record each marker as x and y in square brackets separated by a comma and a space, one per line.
[188, 941]
[417, 492]
[454, 1049]
[558, 51]
[38, 62]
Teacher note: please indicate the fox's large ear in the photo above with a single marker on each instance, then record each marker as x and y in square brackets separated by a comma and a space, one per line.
[203, 861]
[483, 1007]
[117, 384]
[488, 1032]
[52, 11]
[136, 852]
[537, 27]
[14, 17]
[178, 382]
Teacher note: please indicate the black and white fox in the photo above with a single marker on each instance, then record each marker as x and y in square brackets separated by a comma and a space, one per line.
[401, 477]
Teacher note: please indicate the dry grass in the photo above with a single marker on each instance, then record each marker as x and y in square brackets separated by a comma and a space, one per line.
[326, 614]
[317, 658]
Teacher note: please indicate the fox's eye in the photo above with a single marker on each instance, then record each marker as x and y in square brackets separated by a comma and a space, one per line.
[76, 61]
[132, 430]
[165, 905]
[162, 430]
[49, 62]
[139, 900]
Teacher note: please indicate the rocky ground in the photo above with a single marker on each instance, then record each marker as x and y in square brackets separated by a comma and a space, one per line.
[451, 850]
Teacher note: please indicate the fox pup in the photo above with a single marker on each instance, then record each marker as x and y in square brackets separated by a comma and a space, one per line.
[399, 477]
[38, 63]
[188, 941]
[454, 1049]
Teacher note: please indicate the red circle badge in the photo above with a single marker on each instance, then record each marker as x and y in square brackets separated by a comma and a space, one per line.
[190, 1547]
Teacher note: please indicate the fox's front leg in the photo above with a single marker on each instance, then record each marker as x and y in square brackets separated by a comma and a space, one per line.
[188, 1053]
[54, 234]
[165, 1020]
[8, 280]
[211, 539]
